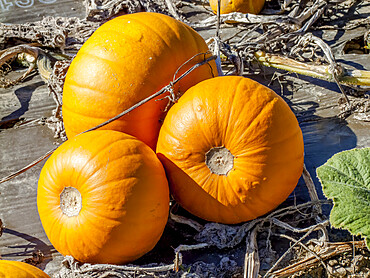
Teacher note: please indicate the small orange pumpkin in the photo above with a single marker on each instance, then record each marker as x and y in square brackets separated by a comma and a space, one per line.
[232, 150]
[103, 197]
[242, 6]
[126, 60]
[16, 269]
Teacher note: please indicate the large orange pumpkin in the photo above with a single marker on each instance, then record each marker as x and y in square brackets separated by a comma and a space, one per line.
[242, 6]
[16, 269]
[126, 60]
[232, 150]
[103, 197]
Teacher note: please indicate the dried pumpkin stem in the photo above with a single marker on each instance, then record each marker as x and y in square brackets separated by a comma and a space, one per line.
[350, 77]
[219, 161]
[70, 201]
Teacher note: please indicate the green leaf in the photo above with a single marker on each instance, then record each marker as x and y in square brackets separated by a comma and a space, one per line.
[345, 178]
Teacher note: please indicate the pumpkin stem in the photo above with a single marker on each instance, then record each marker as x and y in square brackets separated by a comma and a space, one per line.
[347, 76]
[70, 201]
[219, 160]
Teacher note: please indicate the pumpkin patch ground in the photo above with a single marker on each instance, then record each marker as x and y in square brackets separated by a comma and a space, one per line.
[313, 54]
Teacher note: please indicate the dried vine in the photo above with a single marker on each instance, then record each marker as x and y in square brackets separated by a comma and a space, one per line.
[223, 237]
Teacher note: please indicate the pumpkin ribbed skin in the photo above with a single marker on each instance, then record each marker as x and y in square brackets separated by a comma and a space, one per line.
[251, 124]
[242, 6]
[16, 269]
[124, 198]
[126, 60]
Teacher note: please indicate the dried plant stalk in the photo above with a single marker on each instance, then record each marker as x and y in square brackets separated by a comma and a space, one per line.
[311, 187]
[350, 77]
[251, 261]
[332, 249]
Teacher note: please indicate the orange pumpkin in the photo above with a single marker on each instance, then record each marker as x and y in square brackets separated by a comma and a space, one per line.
[103, 198]
[242, 6]
[232, 150]
[126, 60]
[16, 269]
